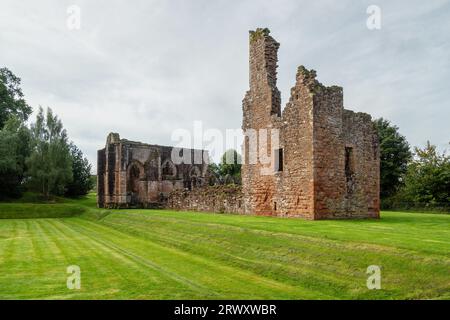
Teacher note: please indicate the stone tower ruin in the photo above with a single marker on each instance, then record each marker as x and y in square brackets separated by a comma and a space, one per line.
[323, 159]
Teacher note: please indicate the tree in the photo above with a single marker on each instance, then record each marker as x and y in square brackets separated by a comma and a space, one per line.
[394, 156]
[11, 98]
[14, 148]
[81, 172]
[427, 182]
[50, 163]
[213, 173]
[231, 164]
[229, 168]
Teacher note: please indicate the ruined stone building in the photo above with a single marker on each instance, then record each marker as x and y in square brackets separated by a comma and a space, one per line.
[326, 162]
[135, 174]
[323, 160]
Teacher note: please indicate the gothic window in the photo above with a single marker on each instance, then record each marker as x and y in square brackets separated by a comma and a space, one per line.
[151, 170]
[133, 178]
[194, 172]
[168, 169]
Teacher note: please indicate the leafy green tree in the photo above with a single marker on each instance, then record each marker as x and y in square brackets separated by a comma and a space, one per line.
[94, 182]
[231, 164]
[50, 162]
[11, 98]
[81, 172]
[427, 182]
[229, 168]
[14, 148]
[213, 172]
[394, 156]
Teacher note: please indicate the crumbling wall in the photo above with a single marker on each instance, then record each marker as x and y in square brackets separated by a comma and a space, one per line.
[295, 184]
[330, 157]
[363, 186]
[218, 199]
[135, 174]
[261, 105]
[328, 146]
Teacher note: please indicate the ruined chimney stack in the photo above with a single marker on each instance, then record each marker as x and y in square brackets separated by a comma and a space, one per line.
[263, 66]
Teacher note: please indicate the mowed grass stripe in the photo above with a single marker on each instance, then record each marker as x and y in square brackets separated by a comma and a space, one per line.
[333, 261]
[26, 281]
[320, 276]
[266, 260]
[133, 281]
[187, 261]
[161, 254]
[213, 276]
[94, 263]
[136, 261]
[397, 229]
[8, 233]
[285, 241]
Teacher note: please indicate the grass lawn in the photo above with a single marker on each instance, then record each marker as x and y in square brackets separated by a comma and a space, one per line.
[158, 254]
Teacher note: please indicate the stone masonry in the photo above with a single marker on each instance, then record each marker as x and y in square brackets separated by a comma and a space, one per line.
[135, 174]
[313, 159]
[325, 164]
[217, 198]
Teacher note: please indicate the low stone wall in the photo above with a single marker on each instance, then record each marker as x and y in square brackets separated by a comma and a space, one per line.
[219, 199]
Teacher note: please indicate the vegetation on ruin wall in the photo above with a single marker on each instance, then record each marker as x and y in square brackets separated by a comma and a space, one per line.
[258, 34]
[161, 254]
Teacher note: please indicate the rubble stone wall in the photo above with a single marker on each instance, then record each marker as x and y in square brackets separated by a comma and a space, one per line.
[218, 199]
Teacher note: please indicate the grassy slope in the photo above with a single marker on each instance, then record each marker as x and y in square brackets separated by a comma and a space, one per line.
[155, 254]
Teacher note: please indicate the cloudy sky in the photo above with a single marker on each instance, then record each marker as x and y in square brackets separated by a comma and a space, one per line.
[147, 68]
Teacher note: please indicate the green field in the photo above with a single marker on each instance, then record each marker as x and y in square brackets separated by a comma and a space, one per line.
[157, 254]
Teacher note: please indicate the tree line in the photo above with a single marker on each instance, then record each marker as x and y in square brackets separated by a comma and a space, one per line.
[37, 157]
[411, 178]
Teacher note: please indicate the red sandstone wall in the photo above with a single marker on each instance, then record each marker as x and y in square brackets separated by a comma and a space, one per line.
[329, 157]
[260, 106]
[314, 134]
[294, 185]
[358, 132]
[289, 192]
[218, 199]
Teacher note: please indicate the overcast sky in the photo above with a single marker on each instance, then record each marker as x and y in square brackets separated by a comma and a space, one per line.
[146, 68]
